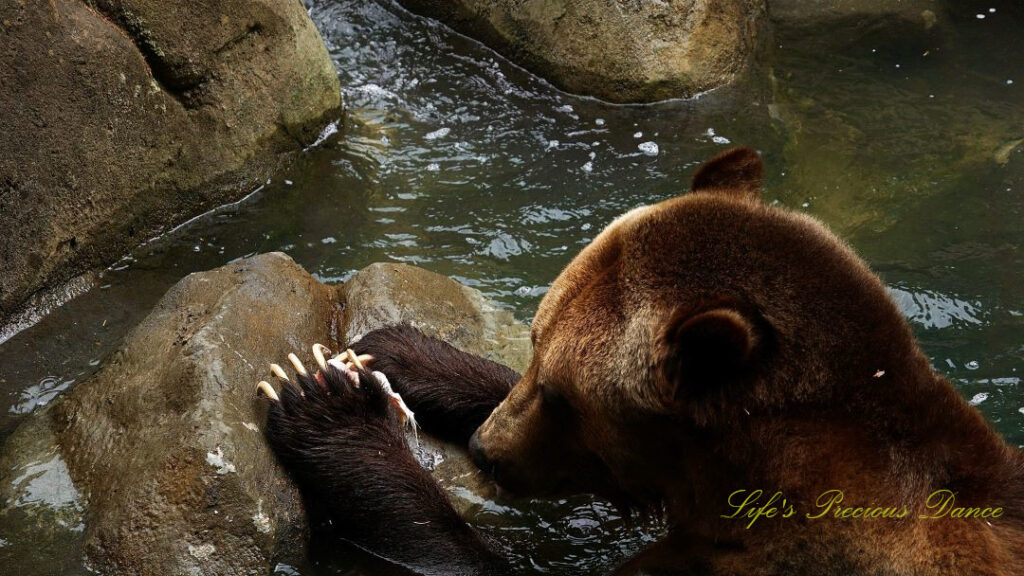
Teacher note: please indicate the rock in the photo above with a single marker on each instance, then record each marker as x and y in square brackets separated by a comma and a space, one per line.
[157, 464]
[123, 117]
[617, 51]
[385, 293]
[165, 440]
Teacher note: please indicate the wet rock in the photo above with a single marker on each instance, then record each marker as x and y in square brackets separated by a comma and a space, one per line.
[616, 51]
[165, 441]
[383, 294]
[157, 464]
[121, 117]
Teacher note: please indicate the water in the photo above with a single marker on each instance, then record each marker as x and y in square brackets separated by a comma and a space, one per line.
[901, 138]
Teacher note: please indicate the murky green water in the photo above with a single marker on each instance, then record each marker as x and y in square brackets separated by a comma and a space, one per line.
[900, 138]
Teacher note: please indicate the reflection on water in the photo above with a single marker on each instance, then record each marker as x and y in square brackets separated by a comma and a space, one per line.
[906, 140]
[570, 536]
[929, 309]
[40, 394]
[48, 484]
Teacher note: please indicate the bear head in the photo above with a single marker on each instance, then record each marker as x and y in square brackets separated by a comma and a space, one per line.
[681, 326]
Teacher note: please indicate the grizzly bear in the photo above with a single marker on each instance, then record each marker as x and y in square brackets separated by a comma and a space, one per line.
[731, 364]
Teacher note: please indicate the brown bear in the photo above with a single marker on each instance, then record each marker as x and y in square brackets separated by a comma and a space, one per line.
[730, 363]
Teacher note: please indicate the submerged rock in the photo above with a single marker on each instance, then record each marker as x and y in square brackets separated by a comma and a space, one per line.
[157, 464]
[616, 51]
[816, 12]
[864, 148]
[122, 117]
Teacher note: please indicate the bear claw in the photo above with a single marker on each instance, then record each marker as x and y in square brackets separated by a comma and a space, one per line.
[279, 372]
[267, 390]
[318, 353]
[345, 361]
[297, 364]
[405, 415]
[341, 364]
[283, 376]
[350, 365]
[354, 358]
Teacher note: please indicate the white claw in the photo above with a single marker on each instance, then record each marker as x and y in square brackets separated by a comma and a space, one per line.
[318, 352]
[268, 390]
[405, 415]
[279, 372]
[341, 363]
[346, 358]
[355, 359]
[297, 364]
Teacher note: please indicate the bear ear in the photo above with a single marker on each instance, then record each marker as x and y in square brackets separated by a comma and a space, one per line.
[737, 172]
[699, 352]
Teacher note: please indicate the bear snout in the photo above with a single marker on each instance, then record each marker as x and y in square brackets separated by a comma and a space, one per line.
[477, 454]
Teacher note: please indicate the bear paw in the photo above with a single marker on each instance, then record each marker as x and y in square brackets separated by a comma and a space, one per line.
[341, 412]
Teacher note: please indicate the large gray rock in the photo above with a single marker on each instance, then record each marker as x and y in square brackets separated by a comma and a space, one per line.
[121, 117]
[614, 50]
[158, 465]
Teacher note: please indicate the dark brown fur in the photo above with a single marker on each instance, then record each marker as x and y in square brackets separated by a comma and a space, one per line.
[454, 392]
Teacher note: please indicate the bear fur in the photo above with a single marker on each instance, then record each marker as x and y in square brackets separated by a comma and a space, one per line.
[697, 351]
